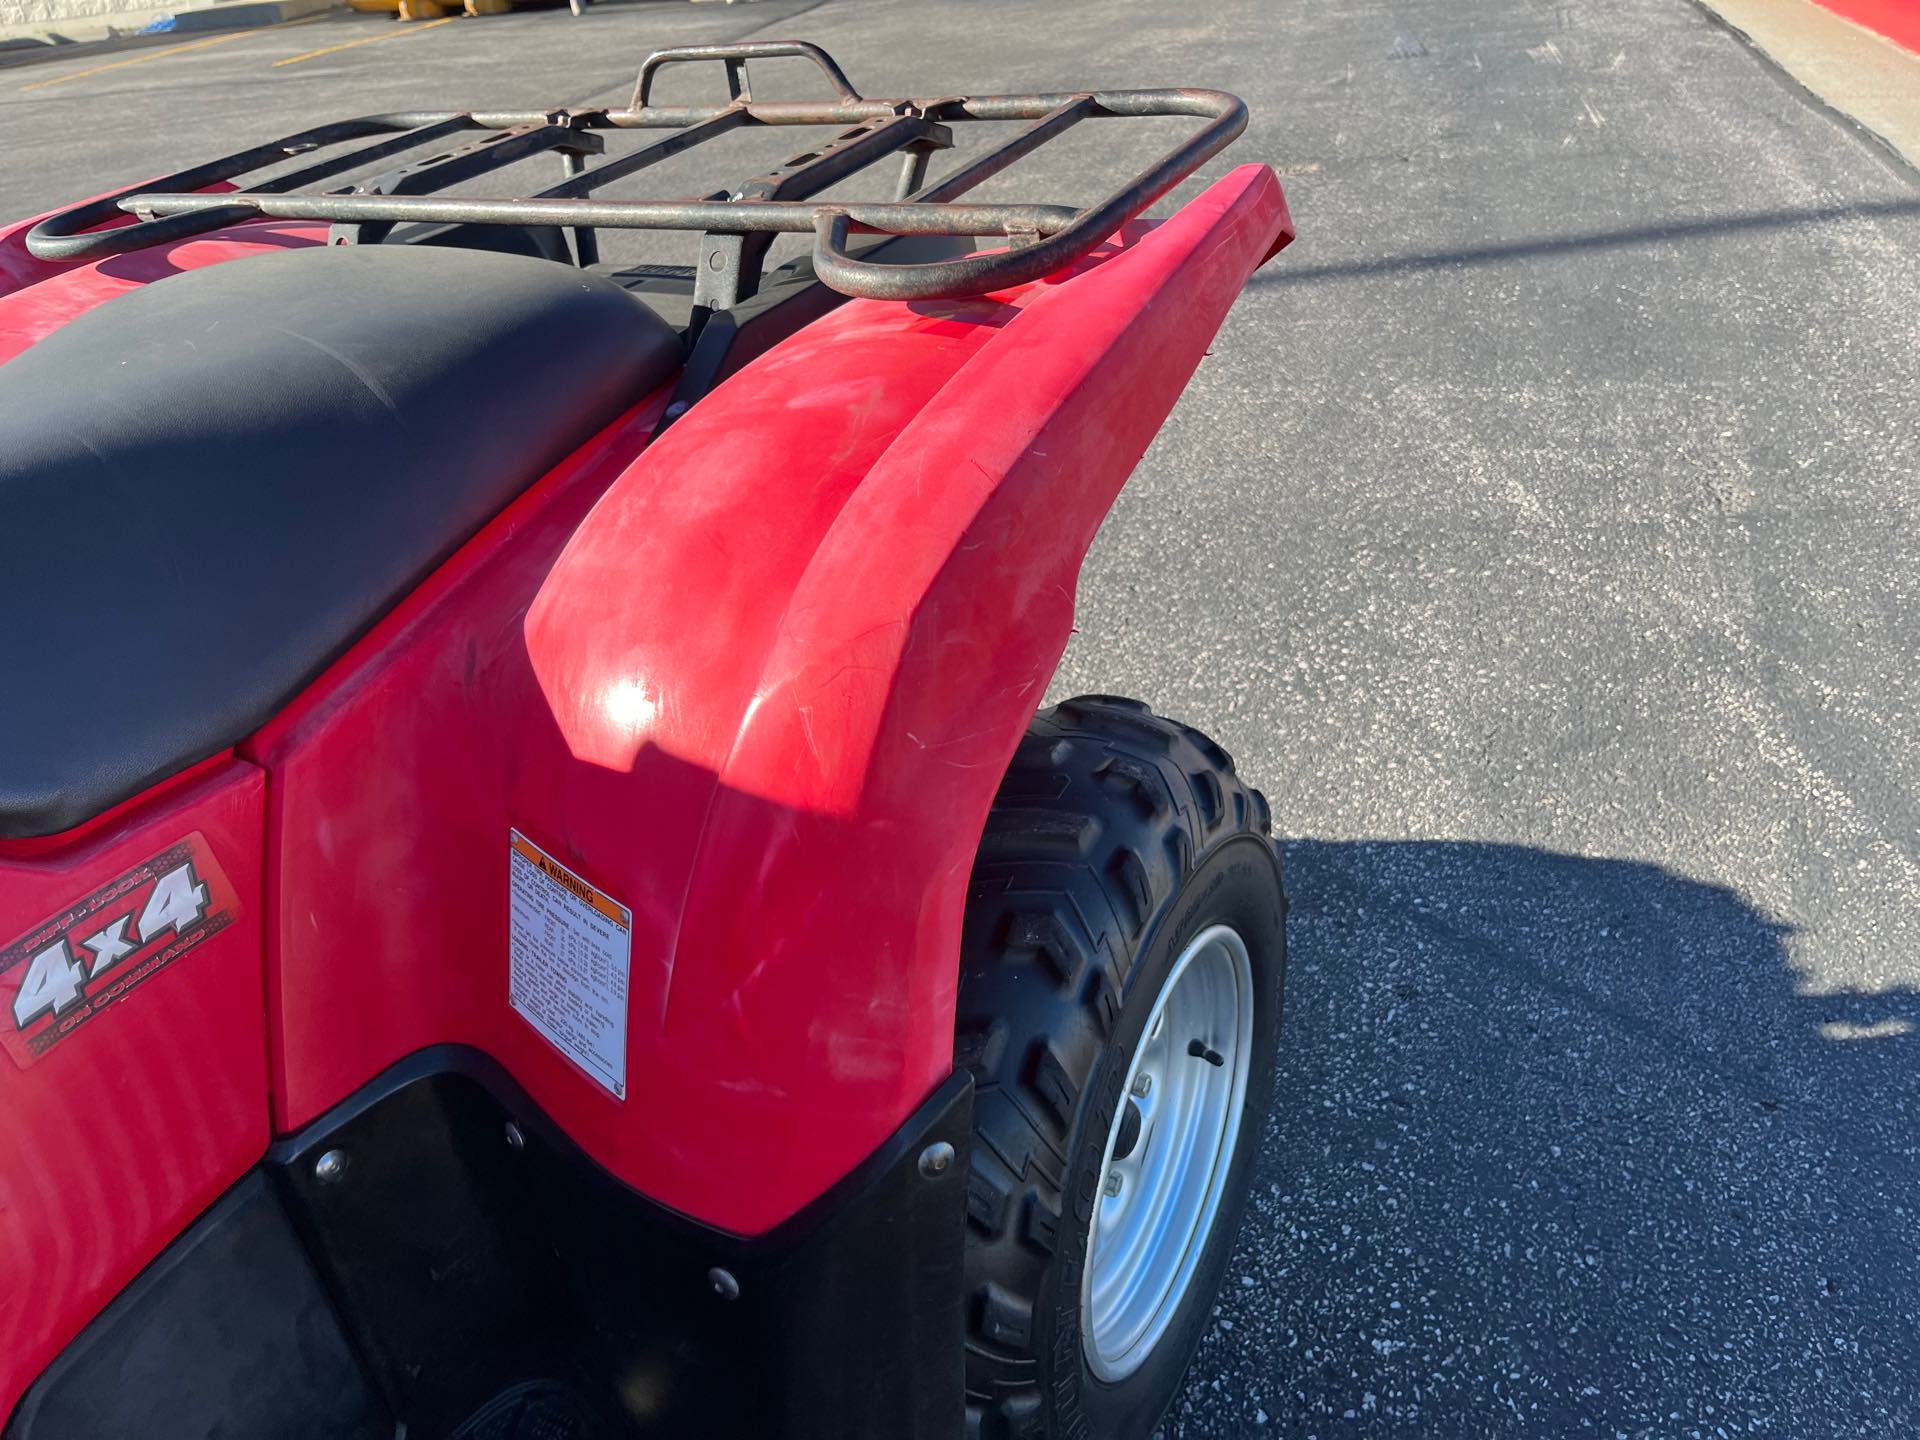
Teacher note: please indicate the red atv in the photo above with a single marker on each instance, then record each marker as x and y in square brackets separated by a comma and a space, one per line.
[536, 900]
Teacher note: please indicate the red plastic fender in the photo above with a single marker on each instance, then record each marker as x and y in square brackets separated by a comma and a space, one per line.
[37, 297]
[838, 589]
[19, 268]
[134, 1095]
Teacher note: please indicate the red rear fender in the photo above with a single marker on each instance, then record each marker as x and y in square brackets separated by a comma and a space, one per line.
[839, 588]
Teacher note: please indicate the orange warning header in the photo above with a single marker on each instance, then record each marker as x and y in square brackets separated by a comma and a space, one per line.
[569, 881]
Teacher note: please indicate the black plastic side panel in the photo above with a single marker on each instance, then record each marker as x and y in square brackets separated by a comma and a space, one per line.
[459, 1270]
[472, 1248]
[431, 1240]
[227, 1334]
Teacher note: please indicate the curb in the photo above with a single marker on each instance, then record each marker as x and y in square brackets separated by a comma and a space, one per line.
[1897, 20]
[37, 39]
[1859, 77]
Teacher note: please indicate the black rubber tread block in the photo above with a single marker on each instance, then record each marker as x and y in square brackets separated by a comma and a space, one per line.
[1106, 810]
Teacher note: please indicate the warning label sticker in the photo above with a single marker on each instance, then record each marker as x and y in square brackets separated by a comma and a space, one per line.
[568, 954]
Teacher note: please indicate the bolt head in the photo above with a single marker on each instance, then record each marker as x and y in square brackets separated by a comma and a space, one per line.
[1142, 1086]
[331, 1168]
[516, 1137]
[936, 1159]
[723, 1283]
[1113, 1184]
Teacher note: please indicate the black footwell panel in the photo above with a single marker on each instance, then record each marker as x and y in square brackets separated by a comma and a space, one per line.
[228, 1333]
[435, 1260]
[537, 1410]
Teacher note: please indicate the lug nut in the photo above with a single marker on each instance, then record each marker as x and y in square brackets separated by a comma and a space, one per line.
[1114, 1183]
[1142, 1086]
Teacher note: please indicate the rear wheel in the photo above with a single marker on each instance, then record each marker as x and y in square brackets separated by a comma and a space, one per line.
[1119, 1008]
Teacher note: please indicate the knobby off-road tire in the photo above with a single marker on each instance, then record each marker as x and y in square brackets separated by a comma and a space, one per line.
[1118, 843]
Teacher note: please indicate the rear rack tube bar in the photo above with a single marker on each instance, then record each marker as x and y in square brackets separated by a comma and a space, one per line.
[735, 58]
[475, 158]
[63, 237]
[1044, 237]
[587, 181]
[978, 274]
[882, 217]
[1054, 122]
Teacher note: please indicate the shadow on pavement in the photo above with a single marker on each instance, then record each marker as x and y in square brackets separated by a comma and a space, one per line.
[1567, 1146]
[1652, 234]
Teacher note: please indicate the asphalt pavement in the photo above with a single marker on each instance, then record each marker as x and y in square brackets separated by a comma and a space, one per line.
[1540, 535]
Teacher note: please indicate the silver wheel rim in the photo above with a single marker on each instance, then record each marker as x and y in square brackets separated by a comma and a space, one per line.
[1158, 1199]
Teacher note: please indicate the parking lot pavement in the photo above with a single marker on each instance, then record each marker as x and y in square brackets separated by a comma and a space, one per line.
[140, 111]
[1541, 536]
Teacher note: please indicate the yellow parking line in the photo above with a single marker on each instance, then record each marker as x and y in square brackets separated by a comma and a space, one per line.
[397, 33]
[170, 50]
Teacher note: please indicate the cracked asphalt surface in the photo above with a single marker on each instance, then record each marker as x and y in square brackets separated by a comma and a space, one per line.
[1541, 536]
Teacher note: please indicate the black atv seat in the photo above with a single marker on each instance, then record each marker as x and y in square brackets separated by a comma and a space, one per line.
[211, 486]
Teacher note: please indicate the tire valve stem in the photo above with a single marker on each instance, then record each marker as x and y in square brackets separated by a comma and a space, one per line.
[1200, 1050]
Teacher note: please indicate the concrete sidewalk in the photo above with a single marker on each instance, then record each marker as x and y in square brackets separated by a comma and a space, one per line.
[1862, 75]
[30, 28]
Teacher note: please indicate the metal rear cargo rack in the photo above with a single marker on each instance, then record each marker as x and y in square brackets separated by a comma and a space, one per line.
[433, 150]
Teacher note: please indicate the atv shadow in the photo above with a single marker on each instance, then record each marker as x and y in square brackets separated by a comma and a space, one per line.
[1563, 1147]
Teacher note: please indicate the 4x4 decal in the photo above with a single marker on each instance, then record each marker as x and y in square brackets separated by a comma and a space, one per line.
[69, 968]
